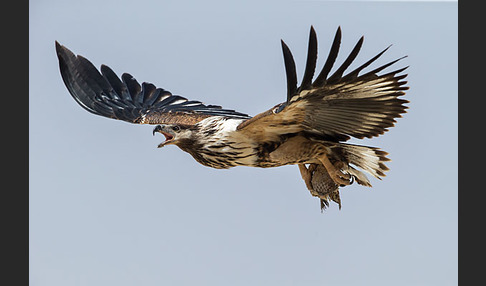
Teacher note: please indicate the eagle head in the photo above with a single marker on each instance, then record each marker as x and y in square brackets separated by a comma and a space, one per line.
[174, 133]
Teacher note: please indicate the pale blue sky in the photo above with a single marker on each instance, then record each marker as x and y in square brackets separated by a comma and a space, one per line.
[109, 208]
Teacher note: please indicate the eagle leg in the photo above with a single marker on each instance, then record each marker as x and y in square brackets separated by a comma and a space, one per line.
[335, 172]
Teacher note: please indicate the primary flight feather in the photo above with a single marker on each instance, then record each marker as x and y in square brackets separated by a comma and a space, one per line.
[308, 129]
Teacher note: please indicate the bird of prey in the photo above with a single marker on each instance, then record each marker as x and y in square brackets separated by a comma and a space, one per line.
[308, 129]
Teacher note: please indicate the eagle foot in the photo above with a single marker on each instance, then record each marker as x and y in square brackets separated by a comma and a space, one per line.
[345, 178]
[335, 171]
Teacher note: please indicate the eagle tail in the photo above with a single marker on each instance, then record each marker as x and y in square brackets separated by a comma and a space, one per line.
[369, 159]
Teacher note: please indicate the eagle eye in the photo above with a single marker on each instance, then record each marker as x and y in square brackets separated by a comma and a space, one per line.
[176, 128]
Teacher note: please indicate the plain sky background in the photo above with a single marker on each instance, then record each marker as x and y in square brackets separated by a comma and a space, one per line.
[109, 208]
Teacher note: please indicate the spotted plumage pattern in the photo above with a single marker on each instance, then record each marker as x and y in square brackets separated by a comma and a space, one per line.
[308, 129]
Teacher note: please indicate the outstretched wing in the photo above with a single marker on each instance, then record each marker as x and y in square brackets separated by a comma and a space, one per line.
[125, 99]
[334, 107]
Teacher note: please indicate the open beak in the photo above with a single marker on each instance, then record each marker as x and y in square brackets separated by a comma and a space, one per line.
[169, 138]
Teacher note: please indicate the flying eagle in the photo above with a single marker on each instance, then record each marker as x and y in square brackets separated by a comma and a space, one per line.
[308, 129]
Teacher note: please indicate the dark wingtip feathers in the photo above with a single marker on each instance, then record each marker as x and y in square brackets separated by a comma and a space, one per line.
[311, 61]
[354, 53]
[338, 76]
[289, 70]
[331, 58]
[59, 47]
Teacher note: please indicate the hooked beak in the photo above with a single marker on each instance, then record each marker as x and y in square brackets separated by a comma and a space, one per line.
[157, 128]
[169, 138]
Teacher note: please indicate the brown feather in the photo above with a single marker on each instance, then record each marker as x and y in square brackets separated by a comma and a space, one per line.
[182, 118]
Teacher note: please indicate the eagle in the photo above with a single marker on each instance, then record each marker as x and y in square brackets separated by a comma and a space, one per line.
[309, 129]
